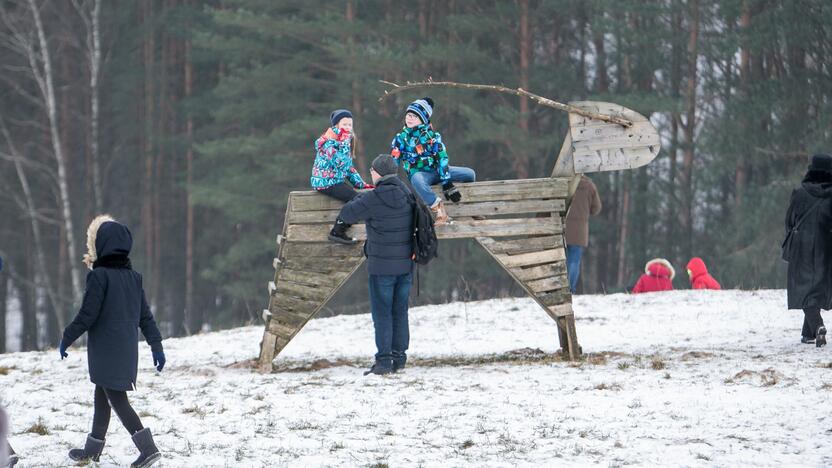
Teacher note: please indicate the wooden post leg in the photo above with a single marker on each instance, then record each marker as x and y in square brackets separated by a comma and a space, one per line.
[267, 351]
[568, 337]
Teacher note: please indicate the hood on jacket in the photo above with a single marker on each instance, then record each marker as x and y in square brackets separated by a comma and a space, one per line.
[660, 268]
[696, 267]
[818, 183]
[392, 191]
[113, 239]
[92, 230]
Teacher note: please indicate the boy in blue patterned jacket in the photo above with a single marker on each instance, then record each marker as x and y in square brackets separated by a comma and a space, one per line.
[333, 167]
[418, 148]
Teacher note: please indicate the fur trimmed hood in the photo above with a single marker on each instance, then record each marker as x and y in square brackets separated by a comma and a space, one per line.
[106, 236]
[660, 261]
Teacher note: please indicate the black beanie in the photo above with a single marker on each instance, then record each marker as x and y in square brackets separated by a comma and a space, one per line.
[384, 164]
[337, 115]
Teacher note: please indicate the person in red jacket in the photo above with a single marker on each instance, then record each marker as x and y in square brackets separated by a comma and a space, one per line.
[699, 276]
[658, 276]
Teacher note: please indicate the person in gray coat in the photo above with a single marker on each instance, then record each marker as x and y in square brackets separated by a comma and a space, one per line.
[114, 308]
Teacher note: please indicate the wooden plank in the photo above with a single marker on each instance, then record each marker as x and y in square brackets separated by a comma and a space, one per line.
[565, 164]
[532, 258]
[319, 265]
[464, 208]
[302, 291]
[612, 159]
[522, 245]
[267, 351]
[323, 280]
[459, 229]
[281, 303]
[281, 329]
[558, 297]
[561, 310]
[322, 249]
[518, 189]
[540, 271]
[548, 284]
[640, 134]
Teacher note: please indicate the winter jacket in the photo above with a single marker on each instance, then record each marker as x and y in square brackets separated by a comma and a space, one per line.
[810, 262]
[113, 309]
[585, 202]
[658, 276]
[420, 149]
[699, 276]
[388, 214]
[333, 161]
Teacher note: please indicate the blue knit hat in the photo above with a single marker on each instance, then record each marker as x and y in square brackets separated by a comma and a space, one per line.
[337, 115]
[423, 108]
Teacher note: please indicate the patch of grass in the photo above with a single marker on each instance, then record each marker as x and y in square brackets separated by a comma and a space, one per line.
[195, 410]
[826, 386]
[302, 426]
[389, 432]
[606, 386]
[623, 365]
[618, 444]
[467, 444]
[337, 446]
[657, 364]
[380, 465]
[37, 428]
[667, 375]
[4, 370]
[239, 454]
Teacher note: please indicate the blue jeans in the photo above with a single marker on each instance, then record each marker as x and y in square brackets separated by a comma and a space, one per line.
[573, 265]
[389, 301]
[423, 180]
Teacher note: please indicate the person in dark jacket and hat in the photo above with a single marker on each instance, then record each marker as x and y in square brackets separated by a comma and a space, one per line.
[114, 308]
[810, 252]
[388, 214]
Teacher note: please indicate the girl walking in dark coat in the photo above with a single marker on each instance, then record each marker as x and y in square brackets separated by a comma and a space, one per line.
[113, 309]
[809, 219]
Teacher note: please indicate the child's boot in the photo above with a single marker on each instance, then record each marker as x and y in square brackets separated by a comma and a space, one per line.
[149, 454]
[339, 233]
[91, 451]
[440, 216]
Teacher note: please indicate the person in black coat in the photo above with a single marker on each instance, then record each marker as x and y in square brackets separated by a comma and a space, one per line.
[388, 214]
[113, 309]
[810, 249]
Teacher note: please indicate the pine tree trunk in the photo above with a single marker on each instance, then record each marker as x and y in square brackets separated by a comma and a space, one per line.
[357, 109]
[194, 319]
[690, 131]
[28, 302]
[521, 159]
[4, 296]
[741, 170]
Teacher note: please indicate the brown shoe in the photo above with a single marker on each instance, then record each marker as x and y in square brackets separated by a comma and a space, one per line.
[440, 216]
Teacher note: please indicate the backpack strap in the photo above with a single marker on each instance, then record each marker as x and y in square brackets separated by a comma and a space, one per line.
[805, 215]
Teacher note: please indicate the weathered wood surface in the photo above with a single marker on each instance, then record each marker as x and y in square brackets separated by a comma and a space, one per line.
[462, 209]
[474, 192]
[521, 245]
[540, 271]
[599, 146]
[325, 249]
[532, 258]
[459, 229]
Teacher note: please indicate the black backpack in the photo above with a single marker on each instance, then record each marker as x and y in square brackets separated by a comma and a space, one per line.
[425, 242]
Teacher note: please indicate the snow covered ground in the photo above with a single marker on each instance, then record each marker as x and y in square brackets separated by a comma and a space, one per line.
[675, 379]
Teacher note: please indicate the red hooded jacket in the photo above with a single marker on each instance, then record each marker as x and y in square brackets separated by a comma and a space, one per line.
[699, 277]
[658, 276]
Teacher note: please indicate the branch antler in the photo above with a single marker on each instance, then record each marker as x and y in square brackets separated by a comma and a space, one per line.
[429, 83]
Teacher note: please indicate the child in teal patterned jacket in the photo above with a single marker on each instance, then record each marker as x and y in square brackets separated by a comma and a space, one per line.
[419, 150]
[333, 168]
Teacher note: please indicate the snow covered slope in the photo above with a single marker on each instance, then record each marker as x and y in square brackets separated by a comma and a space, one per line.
[707, 378]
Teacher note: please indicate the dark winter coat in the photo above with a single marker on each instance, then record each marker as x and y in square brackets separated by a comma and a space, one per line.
[113, 309]
[658, 276]
[388, 215]
[584, 203]
[810, 261]
[699, 276]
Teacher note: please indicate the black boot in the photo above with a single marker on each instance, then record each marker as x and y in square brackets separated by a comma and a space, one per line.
[149, 453]
[820, 340]
[380, 369]
[339, 233]
[807, 340]
[13, 459]
[399, 360]
[91, 451]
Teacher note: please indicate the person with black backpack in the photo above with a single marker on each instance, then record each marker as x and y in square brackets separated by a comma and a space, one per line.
[388, 214]
[808, 248]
